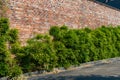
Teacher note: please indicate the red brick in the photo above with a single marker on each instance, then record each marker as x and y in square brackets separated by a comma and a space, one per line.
[36, 16]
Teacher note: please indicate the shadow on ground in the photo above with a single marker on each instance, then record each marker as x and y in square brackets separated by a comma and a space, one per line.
[92, 77]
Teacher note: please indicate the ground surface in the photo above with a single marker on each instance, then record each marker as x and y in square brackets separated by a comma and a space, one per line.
[105, 71]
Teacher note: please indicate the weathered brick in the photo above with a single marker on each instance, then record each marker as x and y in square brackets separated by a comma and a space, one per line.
[36, 16]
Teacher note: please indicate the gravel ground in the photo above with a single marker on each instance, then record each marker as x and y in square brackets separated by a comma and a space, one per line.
[104, 71]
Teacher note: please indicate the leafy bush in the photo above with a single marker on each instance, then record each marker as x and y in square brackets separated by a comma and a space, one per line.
[62, 47]
[38, 54]
[65, 47]
[15, 71]
[13, 35]
[4, 26]
[6, 61]
[86, 44]
[4, 69]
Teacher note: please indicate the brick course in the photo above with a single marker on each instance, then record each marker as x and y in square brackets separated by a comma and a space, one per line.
[36, 16]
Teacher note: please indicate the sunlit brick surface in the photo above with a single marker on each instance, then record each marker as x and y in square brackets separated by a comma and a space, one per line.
[36, 16]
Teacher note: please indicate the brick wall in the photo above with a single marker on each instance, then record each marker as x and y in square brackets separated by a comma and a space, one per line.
[36, 16]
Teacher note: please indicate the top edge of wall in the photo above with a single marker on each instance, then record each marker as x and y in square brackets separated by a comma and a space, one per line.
[104, 5]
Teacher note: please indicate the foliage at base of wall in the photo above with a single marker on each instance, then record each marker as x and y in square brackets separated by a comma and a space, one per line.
[62, 47]
[8, 65]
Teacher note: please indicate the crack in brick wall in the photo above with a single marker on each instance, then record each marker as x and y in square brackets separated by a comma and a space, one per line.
[36, 16]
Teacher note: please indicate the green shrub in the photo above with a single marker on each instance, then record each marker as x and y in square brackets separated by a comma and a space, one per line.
[62, 47]
[15, 71]
[4, 69]
[6, 61]
[39, 54]
[66, 57]
[13, 35]
[4, 26]
[69, 47]
[88, 45]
